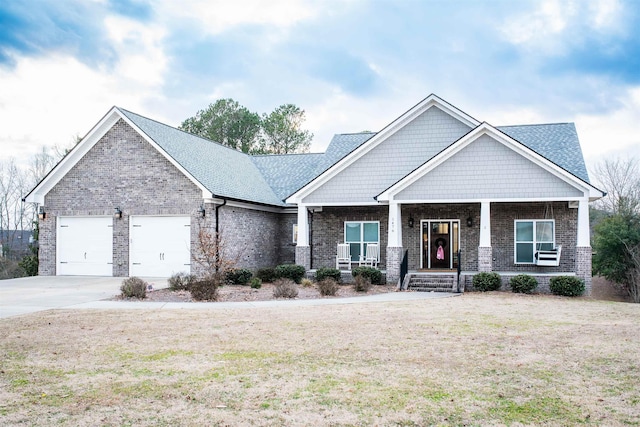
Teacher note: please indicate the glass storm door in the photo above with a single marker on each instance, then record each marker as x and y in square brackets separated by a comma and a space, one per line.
[440, 243]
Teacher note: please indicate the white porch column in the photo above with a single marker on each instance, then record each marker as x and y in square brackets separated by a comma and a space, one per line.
[395, 226]
[394, 243]
[303, 250]
[583, 245]
[303, 225]
[584, 235]
[485, 253]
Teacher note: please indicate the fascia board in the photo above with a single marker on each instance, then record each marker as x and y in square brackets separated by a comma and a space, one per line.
[73, 157]
[492, 199]
[486, 129]
[430, 101]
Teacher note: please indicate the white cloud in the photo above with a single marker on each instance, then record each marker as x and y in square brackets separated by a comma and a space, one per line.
[532, 27]
[605, 15]
[214, 17]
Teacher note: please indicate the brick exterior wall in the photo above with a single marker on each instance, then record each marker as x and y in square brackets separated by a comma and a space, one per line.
[583, 266]
[485, 261]
[123, 170]
[394, 259]
[327, 230]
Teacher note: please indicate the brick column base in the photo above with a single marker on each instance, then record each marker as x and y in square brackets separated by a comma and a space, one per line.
[583, 267]
[485, 258]
[394, 259]
[303, 256]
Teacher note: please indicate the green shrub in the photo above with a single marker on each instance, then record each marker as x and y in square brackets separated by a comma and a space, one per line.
[256, 283]
[373, 274]
[523, 283]
[290, 271]
[324, 272]
[239, 276]
[328, 287]
[9, 269]
[206, 289]
[285, 288]
[486, 281]
[267, 275]
[568, 286]
[134, 287]
[181, 281]
[29, 263]
[306, 283]
[361, 283]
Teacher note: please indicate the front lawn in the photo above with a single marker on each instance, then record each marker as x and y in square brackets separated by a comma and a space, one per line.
[477, 359]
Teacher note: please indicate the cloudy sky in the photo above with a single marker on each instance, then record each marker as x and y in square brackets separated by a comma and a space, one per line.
[352, 65]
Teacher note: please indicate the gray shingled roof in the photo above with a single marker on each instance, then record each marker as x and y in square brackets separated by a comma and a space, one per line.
[269, 179]
[222, 170]
[557, 142]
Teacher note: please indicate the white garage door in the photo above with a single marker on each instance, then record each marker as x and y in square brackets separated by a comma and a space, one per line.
[84, 246]
[159, 245]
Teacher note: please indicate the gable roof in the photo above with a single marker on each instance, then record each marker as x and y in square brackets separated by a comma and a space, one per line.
[506, 140]
[220, 171]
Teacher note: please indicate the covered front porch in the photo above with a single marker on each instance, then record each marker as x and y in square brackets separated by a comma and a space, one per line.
[469, 236]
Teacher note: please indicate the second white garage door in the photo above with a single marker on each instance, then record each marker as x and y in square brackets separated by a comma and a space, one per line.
[159, 245]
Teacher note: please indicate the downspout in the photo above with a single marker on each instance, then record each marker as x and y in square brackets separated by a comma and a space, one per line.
[310, 212]
[217, 215]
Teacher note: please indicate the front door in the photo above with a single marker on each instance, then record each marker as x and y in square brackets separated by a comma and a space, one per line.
[440, 243]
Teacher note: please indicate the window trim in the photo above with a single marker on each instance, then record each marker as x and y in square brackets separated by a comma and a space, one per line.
[361, 241]
[535, 243]
[294, 235]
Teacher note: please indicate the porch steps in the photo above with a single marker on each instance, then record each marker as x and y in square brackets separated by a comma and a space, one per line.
[424, 282]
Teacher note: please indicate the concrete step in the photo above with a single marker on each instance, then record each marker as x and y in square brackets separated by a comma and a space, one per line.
[431, 282]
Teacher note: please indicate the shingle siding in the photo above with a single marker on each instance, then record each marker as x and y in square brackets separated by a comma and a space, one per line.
[487, 169]
[392, 159]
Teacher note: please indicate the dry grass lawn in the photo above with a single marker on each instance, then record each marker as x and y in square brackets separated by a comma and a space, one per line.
[478, 359]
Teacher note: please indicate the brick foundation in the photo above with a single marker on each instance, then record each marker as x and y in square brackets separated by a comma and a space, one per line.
[394, 259]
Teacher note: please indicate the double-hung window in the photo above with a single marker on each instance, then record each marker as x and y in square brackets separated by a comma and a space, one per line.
[358, 233]
[532, 236]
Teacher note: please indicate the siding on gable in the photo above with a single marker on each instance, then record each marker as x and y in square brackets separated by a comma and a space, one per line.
[487, 169]
[392, 159]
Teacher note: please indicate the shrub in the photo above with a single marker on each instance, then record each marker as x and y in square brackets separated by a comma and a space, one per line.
[29, 263]
[256, 283]
[9, 268]
[267, 275]
[290, 271]
[306, 283]
[239, 276]
[487, 281]
[373, 274]
[568, 286]
[361, 283]
[134, 287]
[328, 287]
[206, 289]
[285, 288]
[181, 281]
[324, 272]
[523, 283]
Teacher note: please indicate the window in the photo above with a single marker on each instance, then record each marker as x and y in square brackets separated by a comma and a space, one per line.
[533, 236]
[358, 233]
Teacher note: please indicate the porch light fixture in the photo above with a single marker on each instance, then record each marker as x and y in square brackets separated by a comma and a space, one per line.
[470, 221]
[118, 214]
[202, 211]
[41, 213]
[411, 221]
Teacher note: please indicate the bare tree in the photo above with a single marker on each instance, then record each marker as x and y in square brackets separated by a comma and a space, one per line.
[620, 178]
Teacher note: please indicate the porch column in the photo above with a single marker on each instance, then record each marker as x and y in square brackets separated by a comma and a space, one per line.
[583, 245]
[303, 250]
[485, 255]
[394, 243]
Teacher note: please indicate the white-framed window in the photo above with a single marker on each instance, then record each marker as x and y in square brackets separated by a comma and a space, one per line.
[358, 233]
[532, 236]
[295, 234]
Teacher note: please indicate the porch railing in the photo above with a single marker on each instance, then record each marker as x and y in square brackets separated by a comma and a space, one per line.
[459, 269]
[404, 266]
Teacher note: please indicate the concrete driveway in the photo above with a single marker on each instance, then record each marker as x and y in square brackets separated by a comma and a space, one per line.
[31, 294]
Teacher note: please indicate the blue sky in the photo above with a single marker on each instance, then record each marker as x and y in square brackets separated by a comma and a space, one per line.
[352, 65]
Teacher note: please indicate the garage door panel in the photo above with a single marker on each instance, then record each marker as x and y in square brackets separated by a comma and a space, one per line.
[85, 246]
[160, 246]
